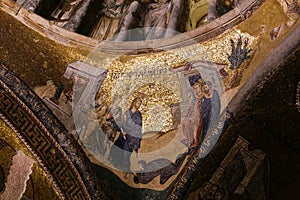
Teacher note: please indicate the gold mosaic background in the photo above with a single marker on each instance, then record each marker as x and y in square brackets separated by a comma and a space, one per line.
[151, 78]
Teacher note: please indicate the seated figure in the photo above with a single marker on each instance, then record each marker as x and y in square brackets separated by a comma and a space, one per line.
[69, 13]
[159, 17]
[110, 19]
[212, 10]
[91, 135]
[29, 5]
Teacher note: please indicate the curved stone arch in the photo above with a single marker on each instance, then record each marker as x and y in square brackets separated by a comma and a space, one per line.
[205, 32]
[55, 149]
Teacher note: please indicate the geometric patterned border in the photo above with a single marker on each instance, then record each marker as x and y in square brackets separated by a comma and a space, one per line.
[53, 146]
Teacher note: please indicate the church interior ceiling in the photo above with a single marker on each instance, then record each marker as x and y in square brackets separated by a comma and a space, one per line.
[99, 105]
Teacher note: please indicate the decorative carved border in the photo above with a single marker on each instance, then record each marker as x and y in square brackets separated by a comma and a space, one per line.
[55, 149]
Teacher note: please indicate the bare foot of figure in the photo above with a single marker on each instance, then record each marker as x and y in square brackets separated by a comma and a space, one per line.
[127, 175]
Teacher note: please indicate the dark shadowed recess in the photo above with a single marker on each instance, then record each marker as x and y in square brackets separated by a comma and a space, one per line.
[270, 121]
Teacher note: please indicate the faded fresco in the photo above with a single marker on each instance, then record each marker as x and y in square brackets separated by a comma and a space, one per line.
[146, 131]
[143, 117]
[147, 116]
